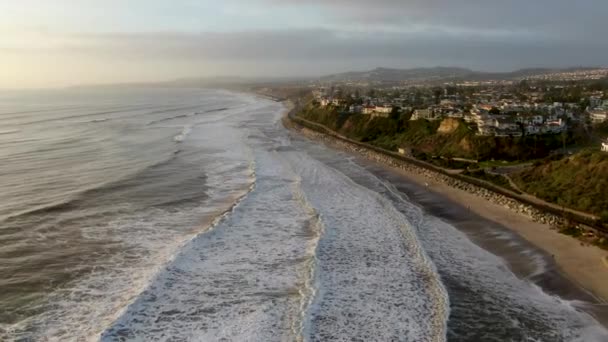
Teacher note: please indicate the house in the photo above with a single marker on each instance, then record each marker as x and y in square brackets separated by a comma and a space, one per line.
[505, 124]
[368, 110]
[556, 126]
[537, 119]
[336, 102]
[325, 102]
[598, 116]
[595, 101]
[426, 114]
[605, 146]
[385, 109]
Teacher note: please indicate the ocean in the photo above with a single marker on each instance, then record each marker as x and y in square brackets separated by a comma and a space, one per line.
[194, 215]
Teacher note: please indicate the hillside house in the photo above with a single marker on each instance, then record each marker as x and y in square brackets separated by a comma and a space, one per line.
[385, 109]
[598, 116]
[605, 146]
[505, 124]
[368, 110]
[426, 114]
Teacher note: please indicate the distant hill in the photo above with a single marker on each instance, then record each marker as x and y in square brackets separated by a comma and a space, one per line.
[438, 74]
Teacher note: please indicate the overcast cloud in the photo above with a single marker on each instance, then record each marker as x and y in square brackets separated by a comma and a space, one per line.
[146, 40]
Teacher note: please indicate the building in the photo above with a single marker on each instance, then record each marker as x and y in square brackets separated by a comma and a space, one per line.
[336, 102]
[355, 109]
[595, 102]
[605, 146]
[598, 116]
[384, 109]
[505, 124]
[368, 110]
[426, 114]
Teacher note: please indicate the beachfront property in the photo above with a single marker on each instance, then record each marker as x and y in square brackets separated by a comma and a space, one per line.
[384, 109]
[426, 114]
[368, 110]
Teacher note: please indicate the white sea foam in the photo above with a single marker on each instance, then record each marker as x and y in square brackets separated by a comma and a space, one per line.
[374, 280]
[241, 281]
[183, 134]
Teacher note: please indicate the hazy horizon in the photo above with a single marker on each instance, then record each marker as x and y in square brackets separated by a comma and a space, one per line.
[73, 42]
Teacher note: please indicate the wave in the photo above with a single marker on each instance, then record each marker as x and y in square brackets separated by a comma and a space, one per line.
[182, 116]
[84, 115]
[168, 119]
[212, 111]
[99, 120]
[183, 134]
[75, 201]
[121, 324]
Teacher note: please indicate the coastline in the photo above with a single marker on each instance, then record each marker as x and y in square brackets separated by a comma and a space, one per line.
[582, 264]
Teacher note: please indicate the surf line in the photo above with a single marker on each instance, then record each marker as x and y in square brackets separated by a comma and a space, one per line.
[221, 217]
[310, 287]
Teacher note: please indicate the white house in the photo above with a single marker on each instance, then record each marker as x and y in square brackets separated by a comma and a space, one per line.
[426, 114]
[605, 146]
[368, 109]
[598, 116]
[384, 109]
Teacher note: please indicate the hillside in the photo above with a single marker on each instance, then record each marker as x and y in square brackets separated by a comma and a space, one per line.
[579, 182]
[449, 138]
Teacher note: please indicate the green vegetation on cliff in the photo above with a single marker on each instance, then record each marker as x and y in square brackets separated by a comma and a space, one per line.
[450, 138]
[579, 182]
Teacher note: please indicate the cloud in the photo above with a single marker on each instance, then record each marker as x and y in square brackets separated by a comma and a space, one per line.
[569, 20]
[318, 46]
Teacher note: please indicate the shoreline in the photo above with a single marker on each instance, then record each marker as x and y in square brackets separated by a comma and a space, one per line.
[584, 265]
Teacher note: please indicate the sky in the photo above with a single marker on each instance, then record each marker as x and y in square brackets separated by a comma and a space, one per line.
[59, 43]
